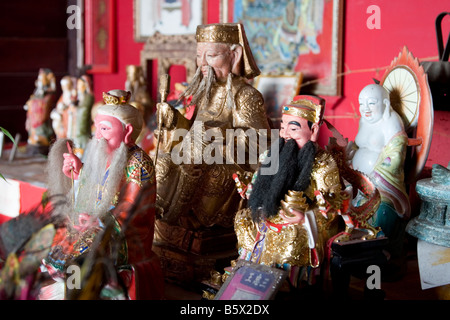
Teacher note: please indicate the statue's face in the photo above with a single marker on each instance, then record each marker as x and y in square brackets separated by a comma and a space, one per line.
[110, 129]
[81, 86]
[66, 85]
[216, 55]
[293, 127]
[371, 103]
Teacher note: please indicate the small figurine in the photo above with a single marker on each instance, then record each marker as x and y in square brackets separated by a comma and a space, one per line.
[38, 107]
[63, 114]
[83, 121]
[140, 98]
[137, 85]
[115, 184]
[293, 213]
[380, 154]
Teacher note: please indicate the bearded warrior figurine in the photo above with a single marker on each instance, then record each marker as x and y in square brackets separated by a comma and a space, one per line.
[294, 212]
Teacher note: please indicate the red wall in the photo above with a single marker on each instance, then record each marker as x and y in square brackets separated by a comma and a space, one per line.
[366, 53]
[128, 51]
[403, 23]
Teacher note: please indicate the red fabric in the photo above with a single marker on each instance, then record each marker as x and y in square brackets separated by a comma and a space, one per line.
[4, 218]
[140, 228]
[30, 196]
[148, 280]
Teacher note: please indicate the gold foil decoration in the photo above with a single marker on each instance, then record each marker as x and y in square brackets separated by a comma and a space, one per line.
[294, 200]
[304, 109]
[224, 33]
[115, 100]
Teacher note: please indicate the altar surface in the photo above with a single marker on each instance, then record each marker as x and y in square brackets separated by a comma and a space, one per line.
[24, 183]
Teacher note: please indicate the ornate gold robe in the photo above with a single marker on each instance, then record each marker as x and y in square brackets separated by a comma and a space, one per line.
[198, 194]
[275, 243]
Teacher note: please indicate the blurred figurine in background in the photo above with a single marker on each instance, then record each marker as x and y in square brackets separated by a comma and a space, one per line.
[140, 98]
[83, 121]
[137, 85]
[38, 107]
[380, 146]
[293, 213]
[62, 115]
[115, 186]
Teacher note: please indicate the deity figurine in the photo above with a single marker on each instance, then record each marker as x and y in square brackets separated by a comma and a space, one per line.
[115, 184]
[38, 107]
[62, 115]
[293, 213]
[140, 98]
[85, 101]
[137, 85]
[380, 154]
[196, 191]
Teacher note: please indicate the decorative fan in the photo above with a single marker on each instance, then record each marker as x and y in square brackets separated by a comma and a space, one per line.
[410, 96]
[404, 93]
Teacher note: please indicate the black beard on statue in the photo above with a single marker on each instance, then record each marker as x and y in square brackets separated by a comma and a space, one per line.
[294, 173]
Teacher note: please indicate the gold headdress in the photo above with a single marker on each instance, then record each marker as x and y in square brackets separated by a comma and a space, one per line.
[117, 106]
[115, 97]
[231, 33]
[308, 107]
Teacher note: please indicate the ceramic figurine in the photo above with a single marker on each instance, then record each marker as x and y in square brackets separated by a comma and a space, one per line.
[83, 121]
[137, 85]
[38, 107]
[63, 115]
[381, 144]
[115, 184]
[140, 98]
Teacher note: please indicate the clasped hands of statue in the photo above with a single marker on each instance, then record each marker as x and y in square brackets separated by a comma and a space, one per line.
[243, 184]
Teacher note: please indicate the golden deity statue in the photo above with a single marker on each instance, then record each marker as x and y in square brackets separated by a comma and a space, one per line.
[197, 156]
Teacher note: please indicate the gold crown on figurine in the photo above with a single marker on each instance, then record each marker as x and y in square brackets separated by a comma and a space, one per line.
[119, 97]
[308, 107]
[219, 32]
[231, 33]
[117, 106]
